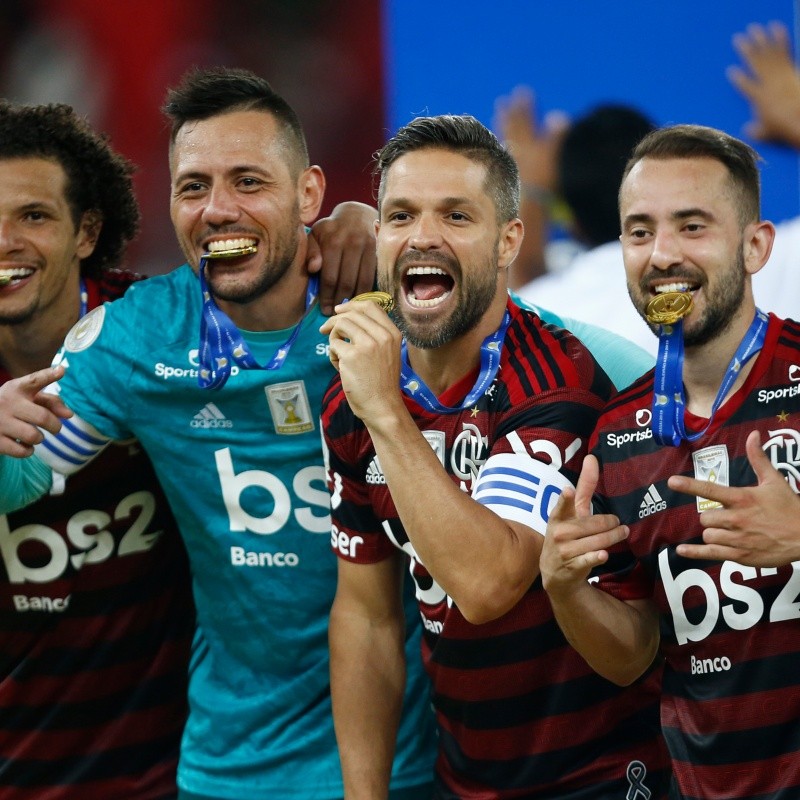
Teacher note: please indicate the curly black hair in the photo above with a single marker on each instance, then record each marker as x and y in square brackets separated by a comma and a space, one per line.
[98, 179]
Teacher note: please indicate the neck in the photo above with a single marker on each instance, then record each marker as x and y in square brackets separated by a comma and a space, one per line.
[29, 346]
[442, 367]
[705, 366]
[281, 306]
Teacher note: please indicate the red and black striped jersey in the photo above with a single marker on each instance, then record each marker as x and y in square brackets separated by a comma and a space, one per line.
[96, 624]
[520, 713]
[730, 634]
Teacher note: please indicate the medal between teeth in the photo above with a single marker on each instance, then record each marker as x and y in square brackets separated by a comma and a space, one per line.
[233, 252]
[669, 307]
[383, 299]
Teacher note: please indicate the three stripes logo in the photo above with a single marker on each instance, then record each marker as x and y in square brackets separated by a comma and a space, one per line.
[209, 416]
[652, 502]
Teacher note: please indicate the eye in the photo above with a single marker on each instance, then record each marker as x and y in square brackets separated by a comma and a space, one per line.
[458, 216]
[693, 227]
[35, 216]
[249, 183]
[194, 187]
[638, 233]
[399, 216]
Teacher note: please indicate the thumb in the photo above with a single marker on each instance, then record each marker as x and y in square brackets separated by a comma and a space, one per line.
[758, 459]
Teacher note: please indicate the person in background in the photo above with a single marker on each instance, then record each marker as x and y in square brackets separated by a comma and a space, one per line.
[230, 425]
[586, 160]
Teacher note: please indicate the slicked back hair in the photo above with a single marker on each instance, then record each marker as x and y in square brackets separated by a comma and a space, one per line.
[698, 141]
[98, 179]
[461, 134]
[206, 93]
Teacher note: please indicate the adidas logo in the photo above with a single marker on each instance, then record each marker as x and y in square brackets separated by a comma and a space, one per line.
[209, 416]
[375, 475]
[652, 502]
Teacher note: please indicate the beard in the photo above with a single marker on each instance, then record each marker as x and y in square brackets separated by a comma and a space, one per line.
[720, 307]
[476, 293]
[280, 260]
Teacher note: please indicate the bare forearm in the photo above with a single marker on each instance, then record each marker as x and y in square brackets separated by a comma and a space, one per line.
[482, 562]
[367, 681]
[618, 640]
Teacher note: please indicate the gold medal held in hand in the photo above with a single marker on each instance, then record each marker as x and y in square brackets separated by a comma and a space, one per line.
[668, 308]
[383, 299]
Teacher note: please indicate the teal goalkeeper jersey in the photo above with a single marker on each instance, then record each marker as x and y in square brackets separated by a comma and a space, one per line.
[243, 470]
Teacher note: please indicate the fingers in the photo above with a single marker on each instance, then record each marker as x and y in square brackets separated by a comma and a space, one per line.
[706, 489]
[709, 552]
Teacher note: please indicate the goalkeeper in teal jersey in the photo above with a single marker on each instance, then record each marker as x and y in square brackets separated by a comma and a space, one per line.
[218, 369]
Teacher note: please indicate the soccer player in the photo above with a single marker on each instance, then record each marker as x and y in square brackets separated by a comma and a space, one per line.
[697, 481]
[449, 435]
[96, 617]
[237, 448]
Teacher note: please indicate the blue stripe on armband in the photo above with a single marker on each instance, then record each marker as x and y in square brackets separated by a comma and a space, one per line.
[82, 433]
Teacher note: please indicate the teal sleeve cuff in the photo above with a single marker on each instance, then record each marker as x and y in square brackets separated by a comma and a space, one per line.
[22, 481]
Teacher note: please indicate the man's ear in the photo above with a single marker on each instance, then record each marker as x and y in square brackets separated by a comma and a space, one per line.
[757, 245]
[511, 235]
[311, 190]
[89, 227]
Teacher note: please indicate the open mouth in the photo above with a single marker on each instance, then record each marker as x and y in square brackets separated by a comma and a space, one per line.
[426, 287]
[12, 276]
[231, 248]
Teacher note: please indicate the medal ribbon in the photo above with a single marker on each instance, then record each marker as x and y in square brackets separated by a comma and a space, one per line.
[669, 399]
[84, 307]
[491, 349]
[221, 342]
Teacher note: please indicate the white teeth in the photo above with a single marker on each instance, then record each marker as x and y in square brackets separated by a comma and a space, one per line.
[11, 275]
[426, 271]
[672, 287]
[230, 244]
[434, 301]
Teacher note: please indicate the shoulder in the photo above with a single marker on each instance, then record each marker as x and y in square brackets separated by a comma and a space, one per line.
[549, 357]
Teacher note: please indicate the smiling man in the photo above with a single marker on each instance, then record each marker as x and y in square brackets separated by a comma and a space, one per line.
[218, 368]
[698, 474]
[450, 433]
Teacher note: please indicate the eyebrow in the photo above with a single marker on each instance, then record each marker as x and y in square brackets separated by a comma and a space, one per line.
[680, 214]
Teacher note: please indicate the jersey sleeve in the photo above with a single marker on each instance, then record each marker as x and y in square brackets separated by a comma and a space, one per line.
[97, 358]
[356, 531]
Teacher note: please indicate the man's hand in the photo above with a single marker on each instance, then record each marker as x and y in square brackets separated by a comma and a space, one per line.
[342, 249]
[25, 408]
[576, 541]
[535, 150]
[771, 83]
[365, 348]
[758, 525]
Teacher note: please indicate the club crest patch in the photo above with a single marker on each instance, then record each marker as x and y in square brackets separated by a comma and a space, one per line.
[85, 331]
[711, 464]
[290, 409]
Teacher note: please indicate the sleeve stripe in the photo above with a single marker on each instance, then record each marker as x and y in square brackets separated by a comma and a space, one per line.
[70, 449]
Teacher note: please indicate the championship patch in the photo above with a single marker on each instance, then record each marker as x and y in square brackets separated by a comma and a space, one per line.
[711, 464]
[519, 488]
[290, 409]
[85, 331]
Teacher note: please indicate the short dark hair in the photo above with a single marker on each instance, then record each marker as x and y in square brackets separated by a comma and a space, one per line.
[205, 93]
[461, 134]
[698, 141]
[98, 179]
[591, 160]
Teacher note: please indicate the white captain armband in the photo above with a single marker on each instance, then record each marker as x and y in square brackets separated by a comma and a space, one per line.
[75, 445]
[519, 488]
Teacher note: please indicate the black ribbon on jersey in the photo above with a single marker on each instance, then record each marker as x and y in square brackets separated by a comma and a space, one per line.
[491, 350]
[669, 398]
[221, 342]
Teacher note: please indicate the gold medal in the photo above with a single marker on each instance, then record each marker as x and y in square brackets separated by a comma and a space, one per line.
[234, 252]
[668, 308]
[383, 299]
